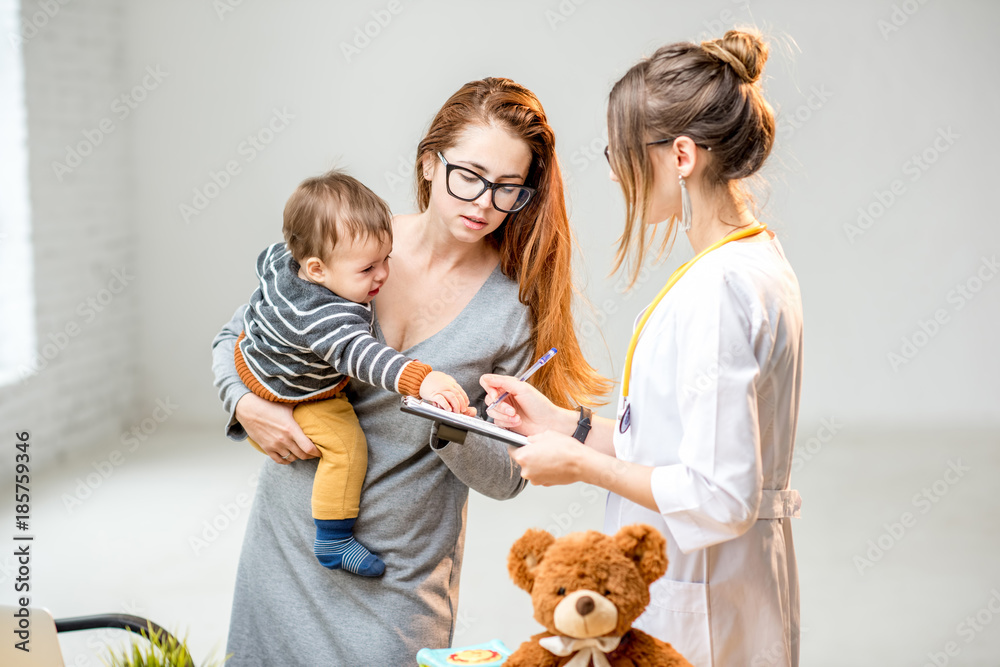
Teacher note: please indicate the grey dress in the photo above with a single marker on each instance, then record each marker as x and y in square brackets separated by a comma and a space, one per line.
[289, 610]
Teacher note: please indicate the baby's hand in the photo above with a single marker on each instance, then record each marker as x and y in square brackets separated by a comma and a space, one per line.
[444, 390]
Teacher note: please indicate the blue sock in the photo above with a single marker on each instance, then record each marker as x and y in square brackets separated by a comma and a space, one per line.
[336, 549]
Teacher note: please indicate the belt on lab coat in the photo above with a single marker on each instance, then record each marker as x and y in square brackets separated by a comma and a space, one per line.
[780, 504]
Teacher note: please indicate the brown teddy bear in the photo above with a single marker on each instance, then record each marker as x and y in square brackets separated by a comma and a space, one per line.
[587, 589]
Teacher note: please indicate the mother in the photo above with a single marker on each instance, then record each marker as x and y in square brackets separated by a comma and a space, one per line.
[473, 290]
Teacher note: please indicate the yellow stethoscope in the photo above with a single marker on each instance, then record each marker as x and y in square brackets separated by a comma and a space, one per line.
[755, 228]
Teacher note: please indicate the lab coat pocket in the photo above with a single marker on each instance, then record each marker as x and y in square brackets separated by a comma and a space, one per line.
[678, 613]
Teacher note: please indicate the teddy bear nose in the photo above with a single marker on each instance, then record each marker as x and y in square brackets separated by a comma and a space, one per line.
[585, 605]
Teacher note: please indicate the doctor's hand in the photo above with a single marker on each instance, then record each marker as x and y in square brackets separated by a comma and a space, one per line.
[526, 410]
[272, 426]
[552, 459]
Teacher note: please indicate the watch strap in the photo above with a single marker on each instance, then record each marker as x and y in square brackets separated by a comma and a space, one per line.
[583, 425]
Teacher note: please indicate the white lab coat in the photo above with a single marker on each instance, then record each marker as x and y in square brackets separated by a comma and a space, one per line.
[714, 402]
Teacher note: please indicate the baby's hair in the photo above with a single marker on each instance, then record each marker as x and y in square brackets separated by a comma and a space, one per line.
[324, 207]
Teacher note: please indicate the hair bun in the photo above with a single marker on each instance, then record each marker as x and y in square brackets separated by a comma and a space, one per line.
[746, 52]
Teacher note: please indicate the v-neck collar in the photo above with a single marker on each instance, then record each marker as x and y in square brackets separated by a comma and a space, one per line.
[442, 330]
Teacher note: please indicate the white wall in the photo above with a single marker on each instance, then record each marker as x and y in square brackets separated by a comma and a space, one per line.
[182, 85]
[17, 288]
[78, 389]
[883, 99]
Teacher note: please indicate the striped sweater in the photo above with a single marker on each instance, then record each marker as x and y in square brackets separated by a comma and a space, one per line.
[301, 342]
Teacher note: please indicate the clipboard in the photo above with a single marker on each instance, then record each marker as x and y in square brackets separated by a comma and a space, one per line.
[453, 426]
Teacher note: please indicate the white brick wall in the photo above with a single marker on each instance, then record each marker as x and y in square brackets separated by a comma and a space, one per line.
[81, 230]
[17, 293]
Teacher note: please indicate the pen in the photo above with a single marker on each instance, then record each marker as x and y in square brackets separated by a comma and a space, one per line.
[527, 374]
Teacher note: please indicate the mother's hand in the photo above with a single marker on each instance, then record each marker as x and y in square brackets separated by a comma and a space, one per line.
[272, 426]
[525, 410]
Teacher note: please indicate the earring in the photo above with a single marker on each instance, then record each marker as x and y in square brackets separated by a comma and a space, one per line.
[685, 206]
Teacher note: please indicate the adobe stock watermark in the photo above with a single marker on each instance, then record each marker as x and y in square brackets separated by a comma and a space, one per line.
[915, 167]
[923, 502]
[806, 451]
[586, 154]
[121, 107]
[590, 327]
[447, 294]
[708, 378]
[562, 522]
[248, 150]
[464, 621]
[8, 568]
[224, 7]
[777, 653]
[958, 297]
[105, 468]
[365, 34]
[581, 158]
[403, 173]
[213, 527]
[87, 310]
[99, 640]
[789, 123]
[715, 27]
[30, 27]
[561, 12]
[899, 15]
[970, 627]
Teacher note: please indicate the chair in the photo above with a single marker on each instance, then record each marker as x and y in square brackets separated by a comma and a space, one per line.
[40, 630]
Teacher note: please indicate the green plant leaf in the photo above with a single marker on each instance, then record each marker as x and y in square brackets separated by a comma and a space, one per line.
[157, 651]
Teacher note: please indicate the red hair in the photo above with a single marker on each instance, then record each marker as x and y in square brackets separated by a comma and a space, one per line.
[535, 244]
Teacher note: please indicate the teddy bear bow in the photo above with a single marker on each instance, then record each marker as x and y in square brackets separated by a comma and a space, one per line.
[587, 651]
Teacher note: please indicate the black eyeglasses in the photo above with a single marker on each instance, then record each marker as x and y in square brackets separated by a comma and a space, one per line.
[467, 185]
[607, 154]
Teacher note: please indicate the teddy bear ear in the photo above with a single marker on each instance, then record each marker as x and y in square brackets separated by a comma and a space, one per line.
[646, 547]
[525, 556]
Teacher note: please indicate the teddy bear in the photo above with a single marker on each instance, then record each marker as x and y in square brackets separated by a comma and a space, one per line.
[587, 588]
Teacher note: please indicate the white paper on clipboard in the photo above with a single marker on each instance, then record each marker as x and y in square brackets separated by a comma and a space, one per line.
[415, 406]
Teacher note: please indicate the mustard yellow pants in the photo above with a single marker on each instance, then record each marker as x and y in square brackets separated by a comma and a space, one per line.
[334, 429]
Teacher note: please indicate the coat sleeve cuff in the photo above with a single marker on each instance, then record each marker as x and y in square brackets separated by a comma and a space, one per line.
[234, 429]
[675, 498]
[698, 515]
[411, 377]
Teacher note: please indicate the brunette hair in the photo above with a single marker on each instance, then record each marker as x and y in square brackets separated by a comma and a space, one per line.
[324, 207]
[709, 92]
[535, 244]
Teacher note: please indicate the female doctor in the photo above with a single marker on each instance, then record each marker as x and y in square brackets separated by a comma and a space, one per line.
[702, 444]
